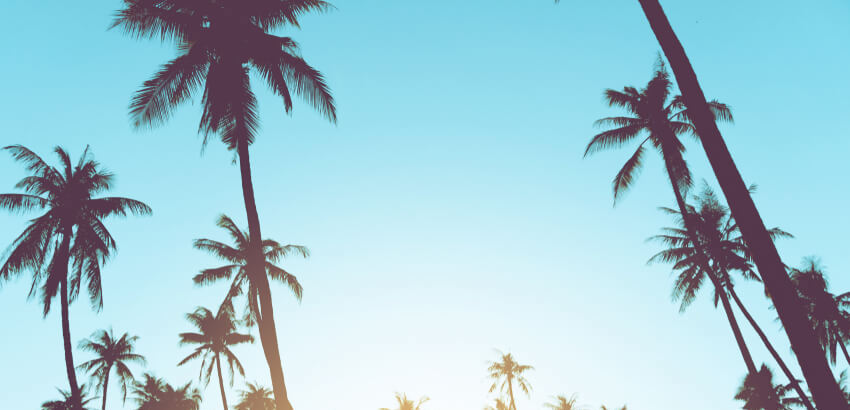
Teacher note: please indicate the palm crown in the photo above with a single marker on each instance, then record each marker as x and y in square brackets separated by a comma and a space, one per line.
[564, 403]
[111, 353]
[255, 397]
[407, 404]
[758, 392]
[829, 314]
[509, 373]
[216, 334]
[153, 393]
[67, 401]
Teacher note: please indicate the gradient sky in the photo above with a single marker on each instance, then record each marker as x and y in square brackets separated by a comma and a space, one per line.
[450, 212]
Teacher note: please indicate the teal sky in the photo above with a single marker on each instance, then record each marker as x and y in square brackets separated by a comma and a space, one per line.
[450, 211]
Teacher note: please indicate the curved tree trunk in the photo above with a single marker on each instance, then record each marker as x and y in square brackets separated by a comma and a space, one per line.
[769, 346]
[220, 380]
[256, 272]
[105, 386]
[810, 355]
[63, 259]
[511, 393]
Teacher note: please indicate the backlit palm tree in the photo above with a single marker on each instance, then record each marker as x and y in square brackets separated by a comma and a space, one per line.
[65, 246]
[498, 404]
[221, 43]
[255, 397]
[111, 354]
[829, 314]
[406, 404]
[758, 392]
[506, 373]
[67, 402]
[564, 403]
[216, 334]
[152, 393]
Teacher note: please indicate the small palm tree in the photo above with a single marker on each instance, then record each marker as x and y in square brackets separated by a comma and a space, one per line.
[66, 245]
[237, 268]
[406, 404]
[603, 407]
[758, 392]
[111, 353]
[153, 393]
[256, 397]
[498, 404]
[216, 333]
[67, 401]
[564, 403]
[828, 313]
[507, 371]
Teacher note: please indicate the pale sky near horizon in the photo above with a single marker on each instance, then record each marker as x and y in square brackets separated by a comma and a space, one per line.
[450, 211]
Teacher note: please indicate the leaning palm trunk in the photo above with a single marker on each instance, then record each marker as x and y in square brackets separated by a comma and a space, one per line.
[256, 264]
[844, 349]
[810, 355]
[220, 381]
[62, 259]
[105, 386]
[803, 397]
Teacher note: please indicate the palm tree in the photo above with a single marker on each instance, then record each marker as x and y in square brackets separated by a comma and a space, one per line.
[67, 402]
[256, 397]
[564, 403]
[829, 314]
[216, 333]
[603, 407]
[220, 44]
[237, 257]
[509, 372]
[758, 392]
[153, 393]
[69, 242]
[111, 353]
[810, 355]
[406, 404]
[498, 404]
[726, 251]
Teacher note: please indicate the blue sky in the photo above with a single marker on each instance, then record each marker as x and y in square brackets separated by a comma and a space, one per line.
[450, 211]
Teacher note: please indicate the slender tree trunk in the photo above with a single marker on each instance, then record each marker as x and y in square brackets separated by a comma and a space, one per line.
[257, 274]
[769, 346]
[736, 329]
[511, 393]
[105, 386]
[63, 258]
[220, 380]
[844, 349]
[810, 355]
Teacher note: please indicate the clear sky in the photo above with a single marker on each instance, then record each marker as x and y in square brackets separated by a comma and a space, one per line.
[450, 212]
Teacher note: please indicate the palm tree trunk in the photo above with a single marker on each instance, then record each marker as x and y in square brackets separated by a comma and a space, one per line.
[809, 353]
[769, 346]
[220, 380]
[256, 272]
[63, 259]
[105, 386]
[511, 393]
[844, 349]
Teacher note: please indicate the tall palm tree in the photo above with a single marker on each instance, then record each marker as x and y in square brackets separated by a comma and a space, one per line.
[719, 238]
[809, 353]
[255, 397]
[406, 404]
[829, 314]
[509, 372]
[111, 353]
[67, 244]
[67, 402]
[153, 393]
[758, 392]
[564, 403]
[216, 333]
[220, 43]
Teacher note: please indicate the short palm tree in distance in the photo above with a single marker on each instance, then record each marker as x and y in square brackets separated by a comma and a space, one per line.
[220, 44]
[404, 403]
[65, 246]
[67, 402]
[498, 404]
[564, 403]
[112, 353]
[507, 373]
[828, 313]
[758, 392]
[216, 334]
[255, 397]
[153, 393]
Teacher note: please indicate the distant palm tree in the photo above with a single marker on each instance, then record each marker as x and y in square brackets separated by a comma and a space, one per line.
[564, 403]
[69, 242]
[111, 353]
[67, 402]
[507, 371]
[220, 44]
[603, 407]
[758, 392]
[498, 404]
[829, 314]
[153, 393]
[216, 334]
[256, 397]
[406, 404]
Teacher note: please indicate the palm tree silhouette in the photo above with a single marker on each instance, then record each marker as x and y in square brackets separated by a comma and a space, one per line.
[603, 407]
[829, 314]
[68, 243]
[153, 393]
[237, 257]
[255, 397]
[507, 371]
[220, 43]
[111, 353]
[498, 404]
[809, 353]
[67, 402]
[758, 392]
[720, 239]
[216, 333]
[406, 404]
[564, 403]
